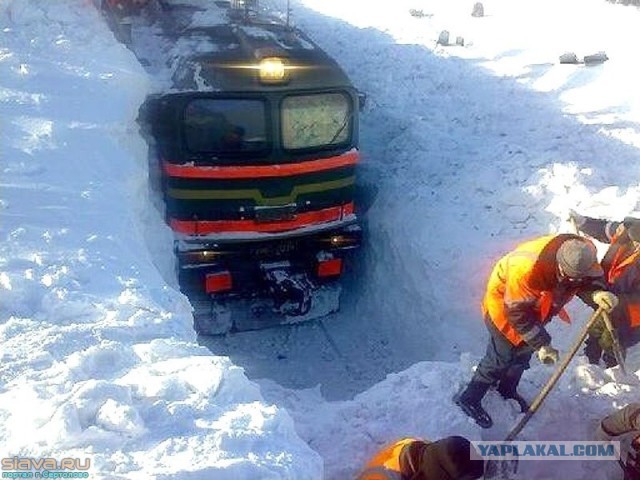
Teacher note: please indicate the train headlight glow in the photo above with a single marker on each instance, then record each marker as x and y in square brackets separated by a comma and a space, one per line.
[199, 257]
[272, 70]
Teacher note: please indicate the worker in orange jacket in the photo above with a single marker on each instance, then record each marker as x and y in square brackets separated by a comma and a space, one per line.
[621, 265]
[414, 459]
[526, 289]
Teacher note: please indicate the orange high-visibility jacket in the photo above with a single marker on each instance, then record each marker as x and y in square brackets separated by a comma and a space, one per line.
[621, 266]
[524, 291]
[385, 465]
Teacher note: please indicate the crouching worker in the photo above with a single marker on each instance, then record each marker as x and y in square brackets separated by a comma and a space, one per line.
[414, 459]
[526, 289]
[625, 425]
[621, 265]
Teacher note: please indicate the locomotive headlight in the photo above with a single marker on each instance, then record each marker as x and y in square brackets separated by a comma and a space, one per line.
[339, 241]
[336, 240]
[272, 70]
[198, 256]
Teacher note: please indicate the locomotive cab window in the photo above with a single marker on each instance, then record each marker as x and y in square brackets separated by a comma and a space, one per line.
[320, 120]
[225, 126]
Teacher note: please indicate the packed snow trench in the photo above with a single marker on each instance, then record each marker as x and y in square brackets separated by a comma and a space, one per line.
[471, 148]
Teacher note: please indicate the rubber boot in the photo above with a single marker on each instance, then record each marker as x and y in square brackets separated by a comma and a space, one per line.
[610, 359]
[469, 400]
[507, 387]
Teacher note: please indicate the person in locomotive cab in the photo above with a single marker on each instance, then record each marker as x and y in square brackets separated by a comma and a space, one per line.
[209, 130]
[232, 139]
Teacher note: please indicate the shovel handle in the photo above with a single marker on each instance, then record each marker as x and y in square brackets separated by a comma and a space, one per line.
[555, 377]
[617, 349]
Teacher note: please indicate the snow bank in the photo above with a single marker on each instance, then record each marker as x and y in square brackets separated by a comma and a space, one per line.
[416, 403]
[474, 148]
[98, 354]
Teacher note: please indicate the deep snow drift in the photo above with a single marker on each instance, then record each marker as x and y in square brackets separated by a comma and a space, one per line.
[472, 149]
[98, 351]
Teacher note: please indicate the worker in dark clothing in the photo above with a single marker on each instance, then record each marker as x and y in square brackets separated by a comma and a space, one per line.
[526, 289]
[415, 459]
[624, 424]
[621, 265]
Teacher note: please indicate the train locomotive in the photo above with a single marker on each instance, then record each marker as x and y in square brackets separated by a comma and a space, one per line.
[256, 148]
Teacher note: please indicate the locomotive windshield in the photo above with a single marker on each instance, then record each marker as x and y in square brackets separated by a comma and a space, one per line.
[239, 127]
[225, 126]
[316, 120]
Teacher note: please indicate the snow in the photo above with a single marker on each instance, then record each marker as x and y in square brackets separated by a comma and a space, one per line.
[471, 149]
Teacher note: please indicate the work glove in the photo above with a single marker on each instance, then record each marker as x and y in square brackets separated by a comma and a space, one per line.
[597, 329]
[606, 341]
[600, 333]
[548, 355]
[607, 300]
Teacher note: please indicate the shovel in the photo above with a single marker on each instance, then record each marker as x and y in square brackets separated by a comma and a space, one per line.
[506, 469]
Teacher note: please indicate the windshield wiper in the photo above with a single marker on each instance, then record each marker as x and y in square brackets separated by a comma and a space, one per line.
[340, 130]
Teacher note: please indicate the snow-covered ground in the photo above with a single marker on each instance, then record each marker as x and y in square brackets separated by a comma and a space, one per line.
[472, 149]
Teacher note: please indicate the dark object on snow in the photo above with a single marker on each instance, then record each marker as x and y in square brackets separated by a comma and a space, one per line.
[569, 57]
[478, 10]
[626, 2]
[443, 38]
[596, 58]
